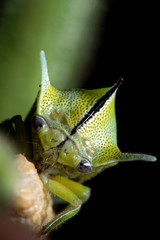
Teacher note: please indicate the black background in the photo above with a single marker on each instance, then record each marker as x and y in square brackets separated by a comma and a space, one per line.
[125, 198]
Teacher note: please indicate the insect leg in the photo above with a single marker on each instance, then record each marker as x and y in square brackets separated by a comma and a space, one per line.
[63, 192]
[72, 192]
[80, 190]
[66, 214]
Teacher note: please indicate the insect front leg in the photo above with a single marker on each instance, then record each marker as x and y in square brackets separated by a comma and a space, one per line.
[74, 193]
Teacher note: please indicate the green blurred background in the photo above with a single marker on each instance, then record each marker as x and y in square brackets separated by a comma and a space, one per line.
[65, 30]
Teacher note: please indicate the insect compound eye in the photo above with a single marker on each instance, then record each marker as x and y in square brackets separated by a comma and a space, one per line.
[84, 166]
[38, 122]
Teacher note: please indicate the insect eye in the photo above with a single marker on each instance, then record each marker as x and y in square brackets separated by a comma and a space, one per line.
[38, 122]
[84, 166]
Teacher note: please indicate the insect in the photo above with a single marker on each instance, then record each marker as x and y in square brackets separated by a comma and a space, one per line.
[72, 137]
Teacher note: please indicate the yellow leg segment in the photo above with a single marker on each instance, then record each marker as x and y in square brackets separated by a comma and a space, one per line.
[63, 192]
[80, 190]
[74, 193]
